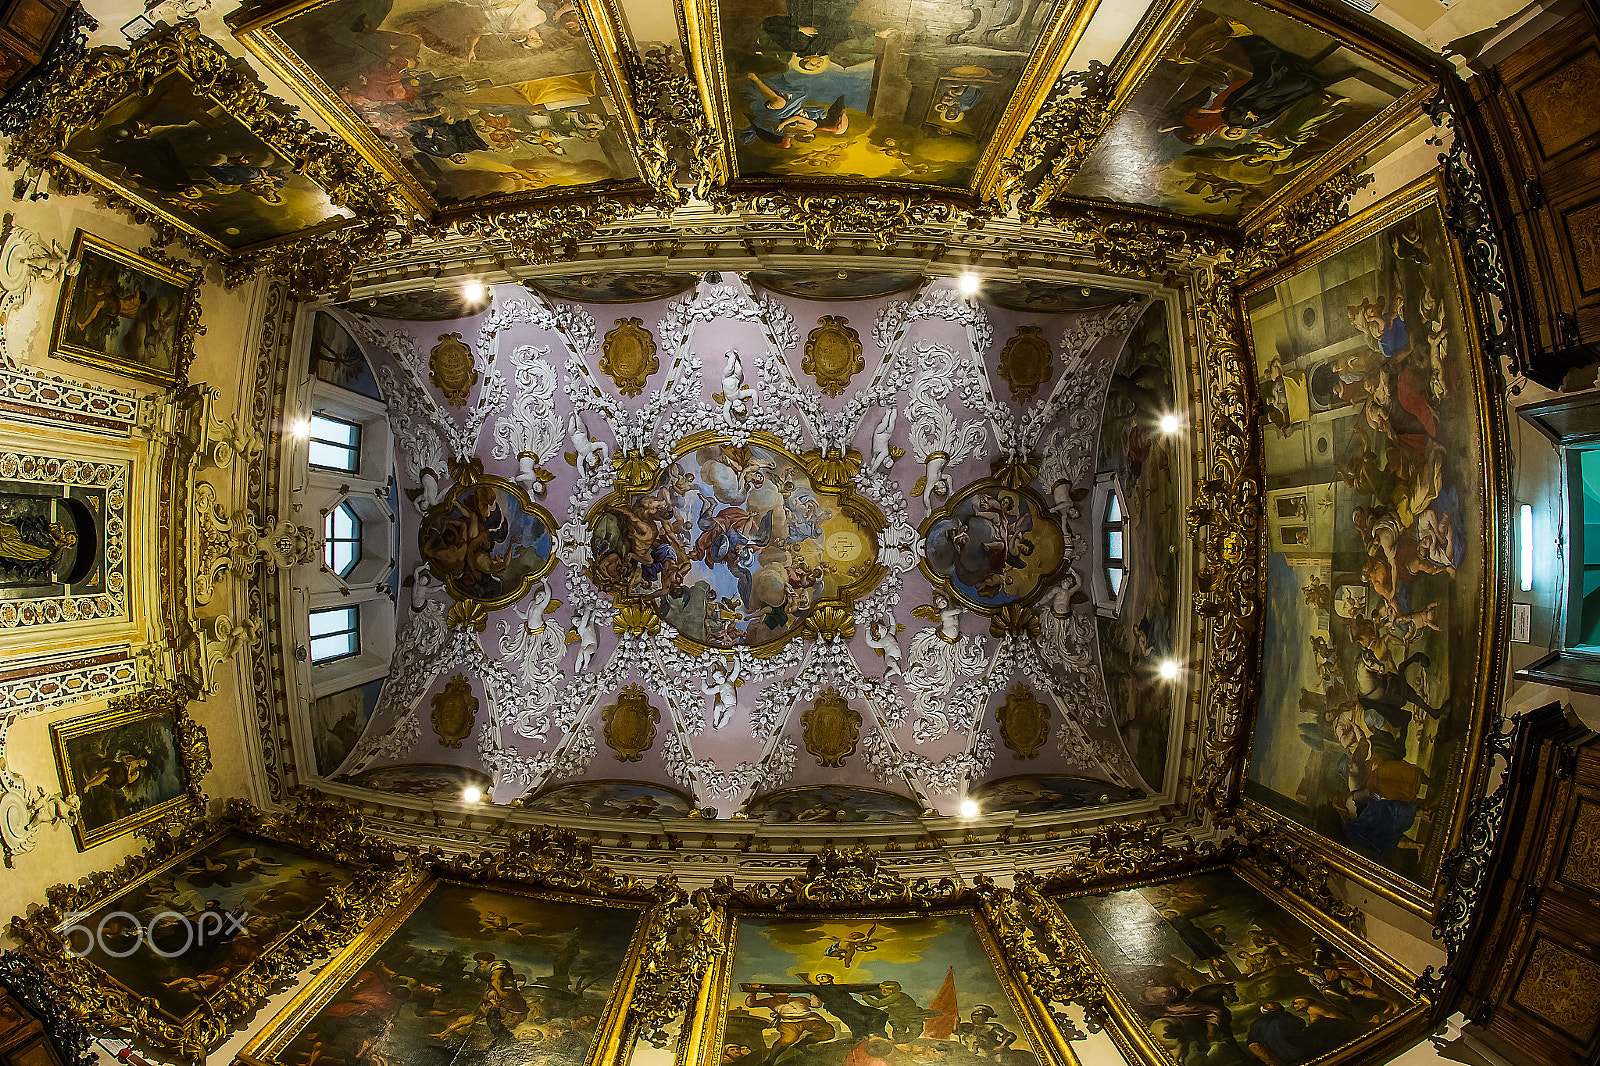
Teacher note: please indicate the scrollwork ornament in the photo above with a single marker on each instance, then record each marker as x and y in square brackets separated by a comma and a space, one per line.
[552, 233]
[1119, 853]
[22, 977]
[544, 857]
[855, 878]
[1069, 124]
[1289, 864]
[681, 946]
[881, 215]
[669, 110]
[1024, 923]
[1302, 221]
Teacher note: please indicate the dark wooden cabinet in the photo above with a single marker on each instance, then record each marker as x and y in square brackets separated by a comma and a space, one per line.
[23, 1041]
[1533, 982]
[26, 29]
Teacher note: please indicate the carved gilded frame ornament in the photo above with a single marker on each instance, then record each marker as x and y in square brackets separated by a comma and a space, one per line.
[189, 740]
[1484, 695]
[326, 828]
[854, 884]
[1084, 980]
[550, 864]
[315, 260]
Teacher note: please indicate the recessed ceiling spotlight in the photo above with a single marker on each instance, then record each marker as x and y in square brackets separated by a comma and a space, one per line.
[969, 808]
[473, 291]
[471, 794]
[1170, 424]
[1169, 670]
[969, 284]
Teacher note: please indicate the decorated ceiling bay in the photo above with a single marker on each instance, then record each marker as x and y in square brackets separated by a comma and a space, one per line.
[853, 559]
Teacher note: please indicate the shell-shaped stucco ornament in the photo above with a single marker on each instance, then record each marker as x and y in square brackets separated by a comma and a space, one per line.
[628, 356]
[832, 728]
[450, 368]
[833, 354]
[630, 724]
[1024, 722]
[455, 711]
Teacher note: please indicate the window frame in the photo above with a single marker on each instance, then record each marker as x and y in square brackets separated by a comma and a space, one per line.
[353, 629]
[353, 447]
[329, 539]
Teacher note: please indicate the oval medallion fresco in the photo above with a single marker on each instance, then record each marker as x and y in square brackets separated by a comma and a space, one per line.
[485, 540]
[837, 284]
[733, 545]
[614, 287]
[992, 545]
[612, 799]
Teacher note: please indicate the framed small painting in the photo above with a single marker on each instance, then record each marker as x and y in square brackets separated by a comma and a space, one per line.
[831, 989]
[127, 313]
[1216, 967]
[1381, 620]
[466, 972]
[133, 763]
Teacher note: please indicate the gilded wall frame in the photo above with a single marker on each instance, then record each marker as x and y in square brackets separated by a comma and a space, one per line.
[124, 730]
[1129, 1030]
[614, 1029]
[1161, 27]
[1418, 206]
[253, 26]
[321, 832]
[67, 340]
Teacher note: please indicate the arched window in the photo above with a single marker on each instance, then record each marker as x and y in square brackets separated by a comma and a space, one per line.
[341, 539]
[1111, 543]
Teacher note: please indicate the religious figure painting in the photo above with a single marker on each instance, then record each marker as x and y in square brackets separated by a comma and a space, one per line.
[337, 722]
[832, 803]
[614, 286]
[837, 284]
[1209, 969]
[1374, 432]
[992, 545]
[826, 991]
[474, 976]
[458, 101]
[1241, 100]
[1140, 484]
[734, 545]
[123, 765]
[337, 359]
[486, 540]
[612, 799]
[49, 542]
[124, 312]
[422, 779]
[177, 150]
[205, 918]
[1041, 793]
[839, 89]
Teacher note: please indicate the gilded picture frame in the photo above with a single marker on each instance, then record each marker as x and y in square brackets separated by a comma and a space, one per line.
[612, 1029]
[261, 28]
[137, 761]
[94, 308]
[1133, 1036]
[1464, 707]
[838, 906]
[285, 888]
[1161, 29]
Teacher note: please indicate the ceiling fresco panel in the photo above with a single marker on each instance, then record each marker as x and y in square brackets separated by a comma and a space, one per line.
[1224, 111]
[909, 93]
[460, 103]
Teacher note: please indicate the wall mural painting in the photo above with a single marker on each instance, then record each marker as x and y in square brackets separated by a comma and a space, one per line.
[123, 765]
[1048, 297]
[734, 545]
[832, 88]
[835, 991]
[832, 803]
[178, 150]
[434, 305]
[1241, 100]
[472, 976]
[465, 101]
[614, 286]
[1208, 969]
[337, 722]
[1043, 793]
[992, 545]
[612, 799]
[208, 916]
[125, 313]
[1372, 427]
[337, 359]
[486, 540]
[422, 779]
[837, 284]
[1137, 459]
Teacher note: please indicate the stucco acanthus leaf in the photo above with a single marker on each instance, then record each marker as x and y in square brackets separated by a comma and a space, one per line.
[938, 440]
[411, 671]
[932, 668]
[945, 777]
[577, 327]
[539, 651]
[781, 331]
[881, 757]
[1067, 641]
[936, 301]
[1072, 744]
[416, 435]
[532, 426]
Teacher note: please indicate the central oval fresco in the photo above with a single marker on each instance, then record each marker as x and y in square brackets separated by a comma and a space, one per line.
[735, 544]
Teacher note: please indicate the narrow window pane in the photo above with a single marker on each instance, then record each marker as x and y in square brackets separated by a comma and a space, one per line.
[332, 620]
[332, 456]
[1114, 576]
[1114, 511]
[337, 646]
[1114, 544]
[335, 430]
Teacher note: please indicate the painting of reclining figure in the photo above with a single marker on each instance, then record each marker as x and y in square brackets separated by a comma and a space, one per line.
[1372, 426]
